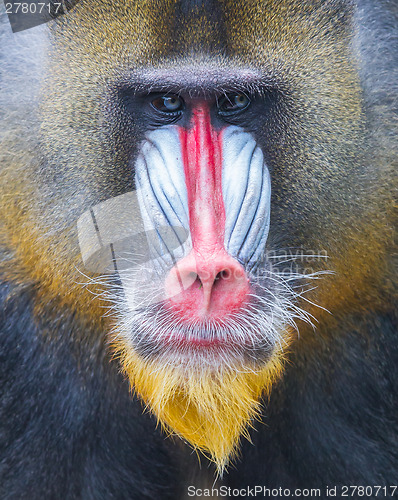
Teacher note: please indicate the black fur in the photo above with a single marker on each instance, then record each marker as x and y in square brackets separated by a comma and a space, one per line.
[69, 427]
[332, 420]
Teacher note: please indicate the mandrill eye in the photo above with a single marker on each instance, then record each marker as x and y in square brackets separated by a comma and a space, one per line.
[233, 103]
[168, 103]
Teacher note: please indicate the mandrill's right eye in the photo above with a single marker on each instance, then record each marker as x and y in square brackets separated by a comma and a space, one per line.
[233, 103]
[168, 104]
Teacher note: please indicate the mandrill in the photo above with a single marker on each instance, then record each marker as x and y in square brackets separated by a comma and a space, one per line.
[196, 232]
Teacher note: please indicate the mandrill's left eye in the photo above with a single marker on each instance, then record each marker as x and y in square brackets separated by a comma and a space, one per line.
[168, 103]
[233, 103]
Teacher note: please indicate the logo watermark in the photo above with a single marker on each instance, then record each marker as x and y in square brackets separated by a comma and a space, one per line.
[115, 237]
[30, 13]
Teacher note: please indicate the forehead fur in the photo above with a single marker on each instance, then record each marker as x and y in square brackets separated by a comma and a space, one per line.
[150, 31]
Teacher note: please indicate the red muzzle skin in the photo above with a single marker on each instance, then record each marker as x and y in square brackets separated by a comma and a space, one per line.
[207, 284]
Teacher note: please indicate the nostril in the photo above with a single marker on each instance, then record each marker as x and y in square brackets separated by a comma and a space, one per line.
[222, 275]
[225, 274]
[198, 281]
[193, 280]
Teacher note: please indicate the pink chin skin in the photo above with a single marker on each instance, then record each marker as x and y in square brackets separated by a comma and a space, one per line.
[180, 342]
[177, 340]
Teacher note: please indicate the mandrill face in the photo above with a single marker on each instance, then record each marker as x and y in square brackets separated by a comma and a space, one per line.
[206, 303]
[205, 176]
[202, 317]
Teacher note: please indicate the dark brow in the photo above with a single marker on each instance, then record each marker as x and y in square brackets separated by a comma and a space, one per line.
[196, 80]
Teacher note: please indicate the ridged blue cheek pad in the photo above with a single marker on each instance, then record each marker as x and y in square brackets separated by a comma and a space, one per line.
[246, 189]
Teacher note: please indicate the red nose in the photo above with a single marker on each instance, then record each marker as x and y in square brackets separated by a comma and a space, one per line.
[207, 286]
[207, 283]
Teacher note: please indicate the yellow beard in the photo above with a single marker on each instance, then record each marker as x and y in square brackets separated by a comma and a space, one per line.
[210, 409]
